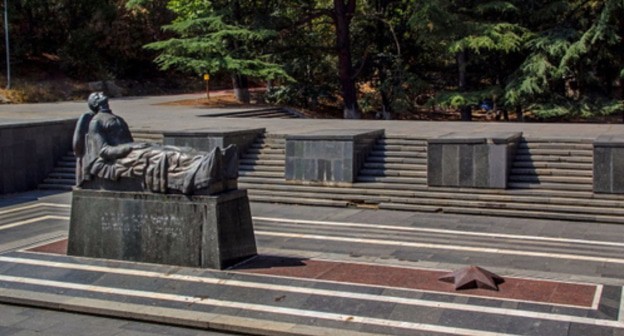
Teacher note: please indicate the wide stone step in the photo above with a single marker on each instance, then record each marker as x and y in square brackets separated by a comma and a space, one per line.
[266, 150]
[271, 174]
[59, 169]
[553, 165]
[554, 152]
[45, 186]
[383, 179]
[264, 168]
[399, 148]
[551, 186]
[66, 181]
[551, 179]
[510, 205]
[553, 158]
[270, 145]
[551, 172]
[573, 201]
[510, 213]
[60, 174]
[272, 157]
[397, 160]
[402, 141]
[384, 154]
[556, 146]
[391, 172]
[66, 164]
[347, 197]
[301, 201]
[395, 166]
[260, 162]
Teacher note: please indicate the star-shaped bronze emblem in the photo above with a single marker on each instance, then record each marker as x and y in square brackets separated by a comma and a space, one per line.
[473, 277]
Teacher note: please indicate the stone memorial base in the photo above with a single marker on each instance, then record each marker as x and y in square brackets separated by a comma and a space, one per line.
[609, 164]
[208, 139]
[473, 160]
[328, 157]
[194, 231]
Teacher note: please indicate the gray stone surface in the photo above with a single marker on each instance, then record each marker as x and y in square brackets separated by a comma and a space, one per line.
[328, 156]
[29, 151]
[474, 160]
[198, 231]
[208, 139]
[609, 164]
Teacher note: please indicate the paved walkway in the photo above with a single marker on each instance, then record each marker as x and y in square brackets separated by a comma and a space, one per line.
[149, 113]
[296, 295]
[320, 270]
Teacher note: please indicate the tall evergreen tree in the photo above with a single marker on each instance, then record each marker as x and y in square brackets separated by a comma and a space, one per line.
[214, 37]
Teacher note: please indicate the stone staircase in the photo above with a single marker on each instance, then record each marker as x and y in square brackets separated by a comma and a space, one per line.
[272, 112]
[550, 179]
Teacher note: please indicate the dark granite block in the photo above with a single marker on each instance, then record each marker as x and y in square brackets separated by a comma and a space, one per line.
[434, 164]
[471, 160]
[609, 164]
[482, 172]
[466, 166]
[602, 170]
[450, 165]
[328, 156]
[208, 139]
[198, 231]
[617, 170]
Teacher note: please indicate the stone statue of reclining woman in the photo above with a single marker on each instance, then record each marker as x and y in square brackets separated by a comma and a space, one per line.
[111, 160]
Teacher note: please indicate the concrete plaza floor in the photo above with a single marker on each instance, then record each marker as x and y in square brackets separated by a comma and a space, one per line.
[260, 299]
[327, 275]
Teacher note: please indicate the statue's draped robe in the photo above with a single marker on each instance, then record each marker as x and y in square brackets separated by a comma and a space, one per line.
[112, 154]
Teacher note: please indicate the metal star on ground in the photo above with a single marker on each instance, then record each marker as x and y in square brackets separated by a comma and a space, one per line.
[473, 277]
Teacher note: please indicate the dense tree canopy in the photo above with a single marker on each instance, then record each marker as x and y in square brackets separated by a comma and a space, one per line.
[549, 58]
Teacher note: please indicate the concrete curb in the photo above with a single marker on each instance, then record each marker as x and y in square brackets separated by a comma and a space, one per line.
[176, 317]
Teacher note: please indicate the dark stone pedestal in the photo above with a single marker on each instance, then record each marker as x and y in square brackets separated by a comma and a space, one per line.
[197, 231]
[609, 164]
[329, 157]
[30, 150]
[207, 140]
[471, 160]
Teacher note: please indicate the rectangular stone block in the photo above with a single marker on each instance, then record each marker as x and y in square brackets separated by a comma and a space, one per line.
[30, 151]
[196, 231]
[471, 160]
[328, 157]
[434, 164]
[208, 139]
[609, 164]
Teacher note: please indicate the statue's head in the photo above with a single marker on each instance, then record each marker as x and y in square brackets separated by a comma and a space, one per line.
[98, 101]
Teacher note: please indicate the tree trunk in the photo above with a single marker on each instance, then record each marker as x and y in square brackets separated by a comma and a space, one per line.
[241, 88]
[466, 113]
[461, 66]
[342, 19]
[519, 114]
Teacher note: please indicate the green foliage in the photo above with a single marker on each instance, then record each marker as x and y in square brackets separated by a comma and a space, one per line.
[207, 43]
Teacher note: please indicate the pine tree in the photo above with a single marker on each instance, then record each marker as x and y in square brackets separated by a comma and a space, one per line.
[213, 37]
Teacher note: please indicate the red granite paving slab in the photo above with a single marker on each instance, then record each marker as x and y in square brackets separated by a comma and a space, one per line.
[529, 290]
[57, 247]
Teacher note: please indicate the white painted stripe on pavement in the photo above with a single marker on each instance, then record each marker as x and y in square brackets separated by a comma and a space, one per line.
[443, 247]
[621, 313]
[597, 296]
[32, 220]
[444, 231]
[322, 292]
[34, 206]
[253, 307]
